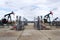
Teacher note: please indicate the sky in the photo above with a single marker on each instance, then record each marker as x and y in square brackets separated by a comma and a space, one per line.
[30, 8]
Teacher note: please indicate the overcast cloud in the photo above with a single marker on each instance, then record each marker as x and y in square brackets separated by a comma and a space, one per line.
[30, 8]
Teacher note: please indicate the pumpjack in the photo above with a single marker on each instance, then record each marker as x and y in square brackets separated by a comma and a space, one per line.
[55, 19]
[46, 17]
[4, 20]
[55, 22]
[9, 15]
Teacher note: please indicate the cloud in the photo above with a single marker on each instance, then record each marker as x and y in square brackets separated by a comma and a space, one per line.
[53, 1]
[30, 8]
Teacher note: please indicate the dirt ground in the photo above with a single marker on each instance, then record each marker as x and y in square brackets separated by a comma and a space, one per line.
[29, 33]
